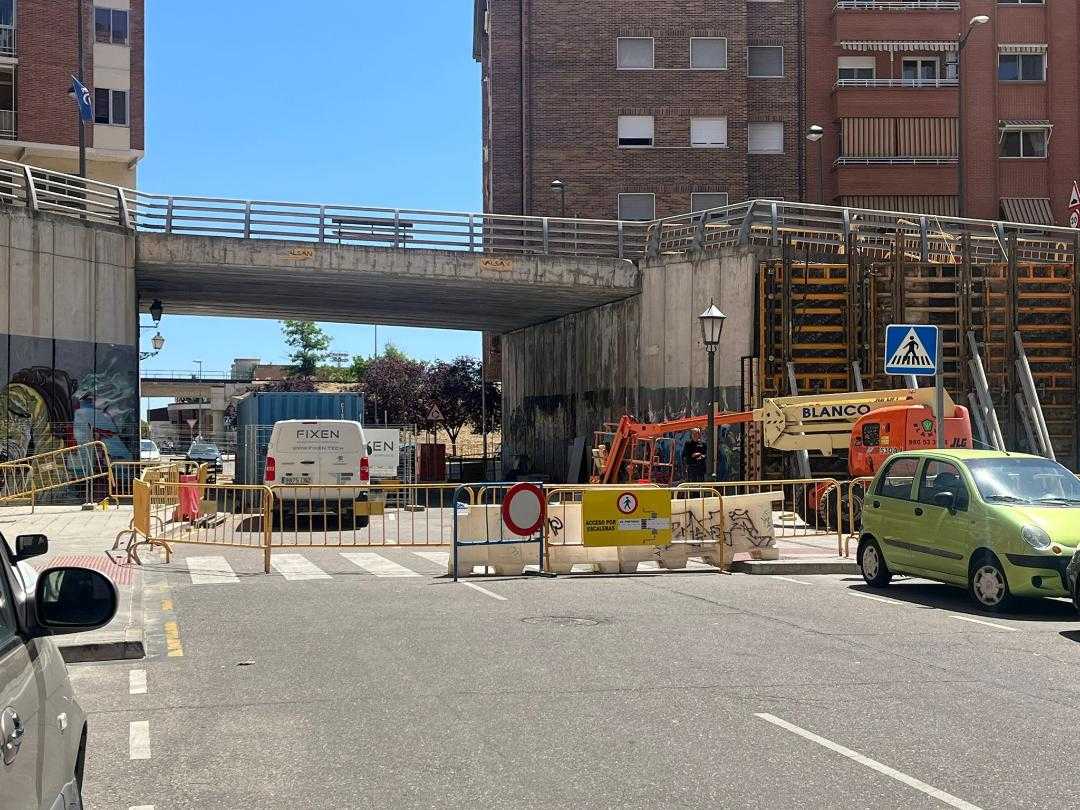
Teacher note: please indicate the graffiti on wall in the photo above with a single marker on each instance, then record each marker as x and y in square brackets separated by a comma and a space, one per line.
[87, 393]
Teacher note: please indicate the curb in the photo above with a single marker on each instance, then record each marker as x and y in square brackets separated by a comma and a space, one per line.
[829, 566]
[131, 647]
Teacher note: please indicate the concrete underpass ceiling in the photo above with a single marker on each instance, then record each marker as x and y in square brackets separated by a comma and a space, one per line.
[371, 285]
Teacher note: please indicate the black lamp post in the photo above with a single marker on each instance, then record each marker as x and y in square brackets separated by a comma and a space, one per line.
[975, 22]
[560, 187]
[814, 134]
[156, 310]
[712, 325]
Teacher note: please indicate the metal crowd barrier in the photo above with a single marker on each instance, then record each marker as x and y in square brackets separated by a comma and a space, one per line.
[87, 465]
[125, 473]
[16, 484]
[856, 495]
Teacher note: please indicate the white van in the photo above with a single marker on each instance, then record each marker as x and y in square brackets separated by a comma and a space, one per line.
[330, 453]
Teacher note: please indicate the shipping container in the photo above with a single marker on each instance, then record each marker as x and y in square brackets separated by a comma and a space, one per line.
[257, 412]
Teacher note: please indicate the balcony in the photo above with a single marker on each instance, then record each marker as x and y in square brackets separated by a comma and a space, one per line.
[7, 40]
[858, 98]
[897, 5]
[943, 160]
[7, 125]
[895, 175]
[897, 83]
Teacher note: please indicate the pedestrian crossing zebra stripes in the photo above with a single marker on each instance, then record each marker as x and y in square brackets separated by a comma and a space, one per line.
[296, 567]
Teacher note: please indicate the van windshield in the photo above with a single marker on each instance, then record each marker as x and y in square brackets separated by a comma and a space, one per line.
[1025, 480]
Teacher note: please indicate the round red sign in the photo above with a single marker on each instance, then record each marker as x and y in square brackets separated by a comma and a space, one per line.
[524, 509]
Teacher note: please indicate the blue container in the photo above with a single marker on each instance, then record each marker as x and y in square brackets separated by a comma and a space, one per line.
[257, 412]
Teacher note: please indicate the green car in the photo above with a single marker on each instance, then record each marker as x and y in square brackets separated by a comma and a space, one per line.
[999, 524]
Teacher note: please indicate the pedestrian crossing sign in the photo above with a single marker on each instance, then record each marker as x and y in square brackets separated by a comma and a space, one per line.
[911, 349]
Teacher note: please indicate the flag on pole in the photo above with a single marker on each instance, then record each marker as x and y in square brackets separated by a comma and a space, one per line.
[82, 97]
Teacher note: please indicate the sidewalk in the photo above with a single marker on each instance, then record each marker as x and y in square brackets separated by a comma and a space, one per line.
[802, 554]
[81, 538]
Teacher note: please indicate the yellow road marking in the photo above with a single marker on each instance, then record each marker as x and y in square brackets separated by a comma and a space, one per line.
[172, 640]
[166, 604]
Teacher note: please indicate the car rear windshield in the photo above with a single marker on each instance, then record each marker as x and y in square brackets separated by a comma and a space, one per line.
[1024, 480]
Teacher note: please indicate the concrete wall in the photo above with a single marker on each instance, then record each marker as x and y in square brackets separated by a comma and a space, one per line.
[642, 356]
[68, 333]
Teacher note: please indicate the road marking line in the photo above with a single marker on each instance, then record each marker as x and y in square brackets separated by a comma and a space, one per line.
[872, 764]
[485, 591]
[988, 624]
[210, 571]
[172, 640]
[790, 579]
[438, 557]
[137, 682]
[166, 604]
[296, 567]
[377, 564]
[142, 807]
[875, 598]
[139, 739]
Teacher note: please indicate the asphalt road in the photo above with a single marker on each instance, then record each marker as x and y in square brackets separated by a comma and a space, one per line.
[357, 690]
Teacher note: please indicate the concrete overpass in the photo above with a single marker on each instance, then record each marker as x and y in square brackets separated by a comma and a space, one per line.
[597, 318]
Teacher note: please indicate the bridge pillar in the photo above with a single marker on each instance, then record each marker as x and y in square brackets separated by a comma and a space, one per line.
[68, 334]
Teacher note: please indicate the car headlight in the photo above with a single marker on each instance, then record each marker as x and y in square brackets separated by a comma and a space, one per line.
[1036, 537]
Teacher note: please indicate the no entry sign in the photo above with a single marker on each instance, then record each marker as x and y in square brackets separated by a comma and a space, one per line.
[524, 509]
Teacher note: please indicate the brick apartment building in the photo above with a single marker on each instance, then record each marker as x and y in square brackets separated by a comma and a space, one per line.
[669, 106]
[39, 121]
[885, 81]
[640, 109]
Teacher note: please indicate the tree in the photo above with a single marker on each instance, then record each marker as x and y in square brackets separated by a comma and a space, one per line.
[310, 342]
[455, 388]
[394, 389]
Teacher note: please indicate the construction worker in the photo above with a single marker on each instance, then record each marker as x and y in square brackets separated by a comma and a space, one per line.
[694, 453]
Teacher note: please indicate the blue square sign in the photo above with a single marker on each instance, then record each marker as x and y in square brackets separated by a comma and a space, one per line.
[911, 348]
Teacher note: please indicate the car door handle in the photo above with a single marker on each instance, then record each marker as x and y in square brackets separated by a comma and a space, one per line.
[9, 746]
[918, 512]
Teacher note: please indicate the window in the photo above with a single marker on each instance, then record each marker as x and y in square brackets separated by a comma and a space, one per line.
[916, 71]
[635, 53]
[637, 206]
[704, 200]
[1020, 2]
[766, 139]
[1024, 143]
[708, 53]
[111, 26]
[765, 61]
[111, 107]
[635, 130]
[856, 67]
[7, 613]
[896, 481]
[938, 477]
[1022, 67]
[708, 132]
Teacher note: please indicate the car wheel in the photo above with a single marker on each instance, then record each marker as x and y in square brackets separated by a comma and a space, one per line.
[987, 584]
[1076, 594]
[873, 566]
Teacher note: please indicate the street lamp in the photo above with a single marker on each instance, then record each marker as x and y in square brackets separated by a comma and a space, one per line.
[974, 23]
[559, 187]
[815, 134]
[158, 342]
[199, 363]
[712, 325]
[156, 310]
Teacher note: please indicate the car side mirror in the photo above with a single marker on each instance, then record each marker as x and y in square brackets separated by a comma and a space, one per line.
[946, 500]
[30, 545]
[74, 600]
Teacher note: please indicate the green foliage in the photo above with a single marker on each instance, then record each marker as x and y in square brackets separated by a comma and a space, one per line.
[310, 342]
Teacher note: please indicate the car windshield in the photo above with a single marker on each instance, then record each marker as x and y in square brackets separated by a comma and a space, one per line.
[203, 448]
[1024, 480]
[148, 445]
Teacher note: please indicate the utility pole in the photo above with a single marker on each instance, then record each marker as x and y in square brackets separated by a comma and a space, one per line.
[82, 80]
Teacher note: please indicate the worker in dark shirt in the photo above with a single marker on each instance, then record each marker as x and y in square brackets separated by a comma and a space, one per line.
[694, 454]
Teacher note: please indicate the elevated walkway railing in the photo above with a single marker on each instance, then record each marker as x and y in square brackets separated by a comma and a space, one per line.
[821, 228]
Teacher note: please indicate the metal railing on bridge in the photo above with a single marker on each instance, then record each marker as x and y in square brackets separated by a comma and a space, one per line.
[822, 229]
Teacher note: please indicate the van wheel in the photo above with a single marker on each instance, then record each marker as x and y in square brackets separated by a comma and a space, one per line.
[873, 566]
[987, 584]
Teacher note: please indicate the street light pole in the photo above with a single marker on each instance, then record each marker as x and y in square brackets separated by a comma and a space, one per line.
[981, 19]
[815, 135]
[712, 325]
[560, 187]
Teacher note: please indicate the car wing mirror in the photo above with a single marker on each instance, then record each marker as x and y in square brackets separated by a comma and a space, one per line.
[945, 499]
[74, 600]
[30, 545]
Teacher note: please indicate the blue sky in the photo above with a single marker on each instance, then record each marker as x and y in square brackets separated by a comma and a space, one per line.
[355, 102]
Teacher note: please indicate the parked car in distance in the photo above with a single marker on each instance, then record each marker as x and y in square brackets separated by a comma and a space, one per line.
[148, 451]
[205, 452]
[998, 524]
[43, 730]
[319, 467]
[167, 446]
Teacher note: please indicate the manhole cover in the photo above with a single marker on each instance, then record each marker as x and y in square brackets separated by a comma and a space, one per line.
[564, 621]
